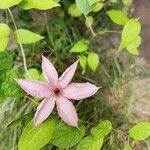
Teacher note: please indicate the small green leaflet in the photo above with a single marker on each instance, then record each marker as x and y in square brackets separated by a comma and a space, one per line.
[26, 36]
[93, 60]
[117, 17]
[34, 138]
[4, 30]
[89, 21]
[4, 4]
[91, 2]
[4, 33]
[65, 136]
[127, 147]
[3, 43]
[83, 6]
[97, 7]
[127, 2]
[74, 11]
[130, 32]
[102, 130]
[33, 73]
[90, 143]
[140, 131]
[80, 46]
[38, 4]
[83, 63]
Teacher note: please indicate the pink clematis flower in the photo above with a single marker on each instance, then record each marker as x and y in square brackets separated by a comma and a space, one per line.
[57, 91]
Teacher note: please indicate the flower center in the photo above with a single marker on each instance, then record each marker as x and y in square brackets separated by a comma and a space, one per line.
[57, 91]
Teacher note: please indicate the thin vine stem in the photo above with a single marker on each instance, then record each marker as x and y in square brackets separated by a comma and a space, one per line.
[21, 47]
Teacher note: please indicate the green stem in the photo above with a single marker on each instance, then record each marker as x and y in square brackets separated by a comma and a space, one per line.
[21, 47]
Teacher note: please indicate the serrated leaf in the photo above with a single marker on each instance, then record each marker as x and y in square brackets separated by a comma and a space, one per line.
[130, 32]
[140, 131]
[97, 7]
[6, 61]
[83, 62]
[4, 4]
[83, 6]
[127, 147]
[3, 43]
[102, 130]
[117, 17]
[80, 46]
[38, 4]
[26, 36]
[90, 143]
[9, 87]
[65, 136]
[4, 30]
[74, 11]
[34, 138]
[93, 60]
[91, 2]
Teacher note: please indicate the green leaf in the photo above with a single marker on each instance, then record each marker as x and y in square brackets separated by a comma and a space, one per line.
[74, 11]
[4, 4]
[135, 44]
[4, 30]
[91, 2]
[34, 138]
[90, 143]
[80, 46]
[6, 61]
[130, 32]
[97, 7]
[140, 131]
[102, 130]
[65, 136]
[38, 4]
[117, 17]
[83, 6]
[4, 33]
[132, 47]
[33, 73]
[9, 87]
[133, 51]
[89, 21]
[93, 60]
[127, 147]
[3, 43]
[26, 36]
[83, 63]
[127, 2]
[17, 122]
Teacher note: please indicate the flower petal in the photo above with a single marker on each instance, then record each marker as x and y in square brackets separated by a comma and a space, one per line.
[67, 75]
[44, 110]
[49, 71]
[34, 88]
[77, 91]
[67, 111]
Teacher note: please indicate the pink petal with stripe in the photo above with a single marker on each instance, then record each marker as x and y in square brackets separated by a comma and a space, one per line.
[34, 88]
[49, 72]
[67, 111]
[77, 91]
[44, 110]
[67, 76]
